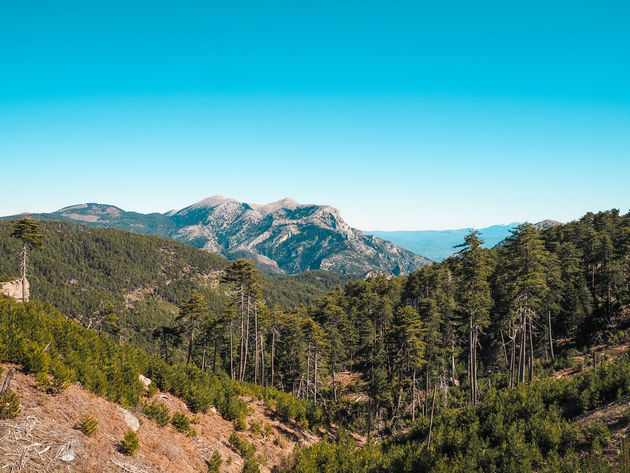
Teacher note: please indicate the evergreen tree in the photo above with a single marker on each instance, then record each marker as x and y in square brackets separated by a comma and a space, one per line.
[474, 299]
[528, 285]
[190, 314]
[27, 231]
[243, 276]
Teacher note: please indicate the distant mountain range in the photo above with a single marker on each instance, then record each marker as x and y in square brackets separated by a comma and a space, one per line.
[282, 237]
[438, 245]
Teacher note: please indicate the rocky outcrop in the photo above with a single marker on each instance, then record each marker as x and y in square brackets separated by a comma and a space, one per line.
[14, 289]
[283, 237]
[287, 237]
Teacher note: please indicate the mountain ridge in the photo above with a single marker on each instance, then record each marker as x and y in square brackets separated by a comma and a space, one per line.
[438, 245]
[281, 237]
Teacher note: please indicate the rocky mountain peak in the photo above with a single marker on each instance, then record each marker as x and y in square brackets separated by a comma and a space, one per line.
[286, 203]
[282, 237]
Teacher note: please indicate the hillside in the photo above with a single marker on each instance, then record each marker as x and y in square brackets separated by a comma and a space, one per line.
[282, 237]
[81, 269]
[46, 430]
[182, 417]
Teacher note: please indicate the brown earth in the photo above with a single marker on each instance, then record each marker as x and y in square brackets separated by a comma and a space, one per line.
[616, 416]
[45, 431]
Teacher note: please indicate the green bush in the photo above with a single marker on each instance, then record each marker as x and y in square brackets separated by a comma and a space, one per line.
[251, 466]
[214, 465]
[9, 405]
[255, 428]
[181, 422]
[62, 376]
[88, 424]
[158, 412]
[129, 444]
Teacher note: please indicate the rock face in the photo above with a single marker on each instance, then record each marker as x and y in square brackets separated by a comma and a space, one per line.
[14, 289]
[282, 237]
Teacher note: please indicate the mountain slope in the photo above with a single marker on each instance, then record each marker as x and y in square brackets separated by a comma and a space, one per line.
[283, 237]
[144, 277]
[50, 421]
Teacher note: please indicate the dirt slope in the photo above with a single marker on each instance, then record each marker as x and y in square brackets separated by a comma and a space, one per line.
[44, 432]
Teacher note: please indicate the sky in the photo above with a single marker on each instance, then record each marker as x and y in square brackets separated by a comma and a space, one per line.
[404, 115]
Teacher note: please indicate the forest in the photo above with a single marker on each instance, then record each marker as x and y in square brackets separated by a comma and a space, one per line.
[447, 369]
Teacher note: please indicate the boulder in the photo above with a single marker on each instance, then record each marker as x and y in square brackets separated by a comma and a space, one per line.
[14, 289]
[132, 421]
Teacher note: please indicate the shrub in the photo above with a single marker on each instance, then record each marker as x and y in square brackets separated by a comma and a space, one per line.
[215, 462]
[62, 376]
[181, 422]
[88, 424]
[255, 428]
[158, 412]
[42, 381]
[9, 405]
[242, 446]
[129, 444]
[251, 466]
[597, 431]
[240, 424]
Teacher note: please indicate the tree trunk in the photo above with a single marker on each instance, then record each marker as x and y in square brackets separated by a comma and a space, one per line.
[242, 339]
[431, 421]
[246, 336]
[334, 383]
[550, 334]
[413, 396]
[308, 370]
[231, 352]
[263, 380]
[453, 372]
[203, 353]
[315, 379]
[531, 351]
[273, 353]
[7, 382]
[256, 366]
[24, 258]
[191, 340]
[512, 355]
[507, 363]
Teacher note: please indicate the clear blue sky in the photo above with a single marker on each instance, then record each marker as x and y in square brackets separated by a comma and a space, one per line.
[404, 115]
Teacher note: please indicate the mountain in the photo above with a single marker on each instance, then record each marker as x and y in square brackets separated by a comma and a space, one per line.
[282, 237]
[439, 244]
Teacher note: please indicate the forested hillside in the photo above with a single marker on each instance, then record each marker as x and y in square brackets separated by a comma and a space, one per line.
[94, 274]
[57, 352]
[458, 355]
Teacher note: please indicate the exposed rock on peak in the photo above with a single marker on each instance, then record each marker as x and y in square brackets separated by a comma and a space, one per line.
[545, 224]
[282, 237]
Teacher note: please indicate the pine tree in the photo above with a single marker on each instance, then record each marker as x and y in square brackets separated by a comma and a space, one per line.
[27, 231]
[529, 266]
[242, 274]
[474, 299]
[190, 315]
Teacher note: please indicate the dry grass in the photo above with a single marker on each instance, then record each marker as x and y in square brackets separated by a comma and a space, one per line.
[45, 431]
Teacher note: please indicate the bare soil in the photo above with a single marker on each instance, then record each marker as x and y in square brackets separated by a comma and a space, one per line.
[45, 431]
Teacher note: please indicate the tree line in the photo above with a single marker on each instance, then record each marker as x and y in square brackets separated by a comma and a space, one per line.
[444, 331]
